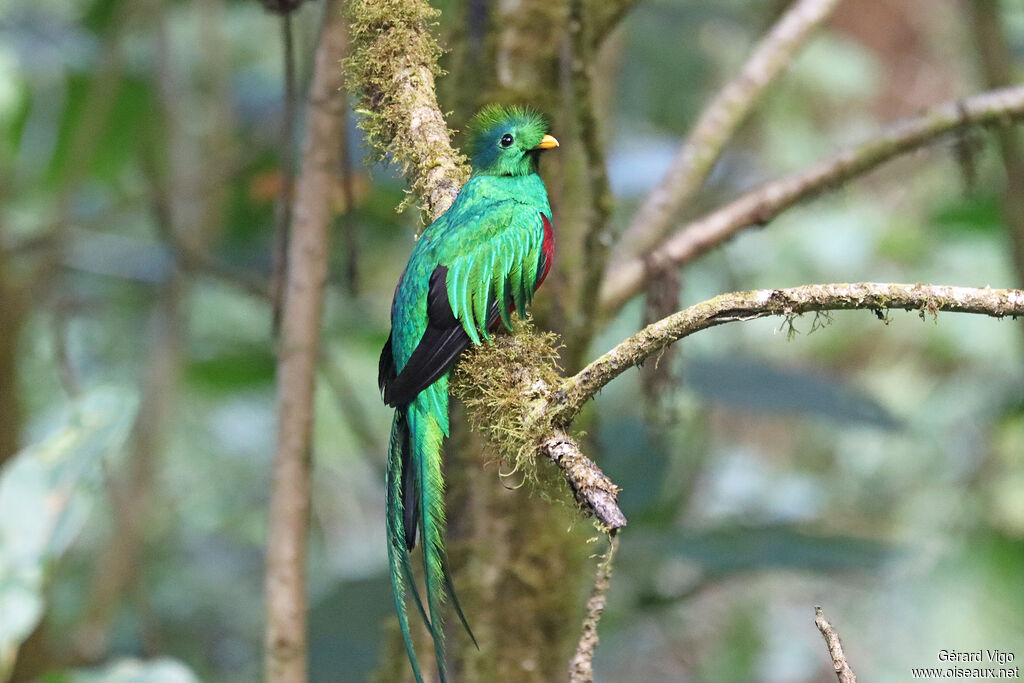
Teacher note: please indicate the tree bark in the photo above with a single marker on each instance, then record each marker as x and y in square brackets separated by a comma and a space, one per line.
[286, 657]
[997, 67]
[12, 313]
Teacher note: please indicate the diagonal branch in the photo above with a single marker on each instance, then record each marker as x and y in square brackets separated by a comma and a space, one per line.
[608, 14]
[835, 648]
[567, 400]
[720, 119]
[759, 206]
[595, 493]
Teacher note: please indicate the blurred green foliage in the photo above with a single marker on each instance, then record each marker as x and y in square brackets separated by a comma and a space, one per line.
[130, 671]
[46, 492]
[874, 467]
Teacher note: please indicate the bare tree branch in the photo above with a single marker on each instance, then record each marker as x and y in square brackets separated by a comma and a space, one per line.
[285, 637]
[14, 301]
[581, 667]
[283, 209]
[995, 57]
[595, 492]
[392, 68]
[348, 224]
[608, 15]
[835, 649]
[567, 400]
[720, 119]
[999, 107]
[597, 240]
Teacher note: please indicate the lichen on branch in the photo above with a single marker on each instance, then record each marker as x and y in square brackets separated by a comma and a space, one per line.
[569, 398]
[392, 69]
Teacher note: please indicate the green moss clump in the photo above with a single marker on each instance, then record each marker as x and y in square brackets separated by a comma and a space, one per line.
[503, 385]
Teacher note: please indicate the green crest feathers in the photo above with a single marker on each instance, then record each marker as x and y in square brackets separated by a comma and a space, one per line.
[484, 128]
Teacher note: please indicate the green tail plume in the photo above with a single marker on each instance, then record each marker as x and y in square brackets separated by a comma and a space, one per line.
[427, 460]
[416, 436]
[398, 554]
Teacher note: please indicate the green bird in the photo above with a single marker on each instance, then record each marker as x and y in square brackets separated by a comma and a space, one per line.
[482, 259]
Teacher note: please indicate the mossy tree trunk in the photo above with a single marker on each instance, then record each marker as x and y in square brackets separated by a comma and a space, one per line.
[519, 561]
[521, 571]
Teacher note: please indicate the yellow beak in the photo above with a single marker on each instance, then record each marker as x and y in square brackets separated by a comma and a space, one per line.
[548, 142]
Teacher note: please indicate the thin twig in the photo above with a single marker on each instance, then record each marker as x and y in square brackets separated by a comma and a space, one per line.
[759, 206]
[581, 667]
[835, 649]
[719, 120]
[569, 398]
[285, 638]
[67, 373]
[132, 489]
[350, 407]
[203, 264]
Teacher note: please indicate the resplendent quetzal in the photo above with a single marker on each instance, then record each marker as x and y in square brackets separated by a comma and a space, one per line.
[484, 257]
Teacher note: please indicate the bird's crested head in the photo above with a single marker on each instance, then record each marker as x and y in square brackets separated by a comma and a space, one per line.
[506, 140]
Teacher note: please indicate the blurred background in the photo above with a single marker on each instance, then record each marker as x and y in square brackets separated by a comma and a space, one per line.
[876, 468]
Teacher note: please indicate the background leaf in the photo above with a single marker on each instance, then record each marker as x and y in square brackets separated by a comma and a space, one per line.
[45, 495]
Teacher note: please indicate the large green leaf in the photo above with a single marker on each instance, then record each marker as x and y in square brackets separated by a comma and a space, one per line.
[46, 491]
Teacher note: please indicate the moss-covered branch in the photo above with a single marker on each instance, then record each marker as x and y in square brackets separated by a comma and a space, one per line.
[392, 70]
[757, 207]
[571, 395]
[720, 119]
[513, 393]
[505, 386]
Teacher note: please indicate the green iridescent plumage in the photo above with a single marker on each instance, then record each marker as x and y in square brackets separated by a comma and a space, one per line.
[486, 255]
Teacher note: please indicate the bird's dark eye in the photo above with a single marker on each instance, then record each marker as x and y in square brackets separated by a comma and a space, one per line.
[506, 140]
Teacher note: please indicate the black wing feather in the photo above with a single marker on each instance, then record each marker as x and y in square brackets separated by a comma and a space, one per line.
[410, 492]
[439, 347]
[386, 371]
